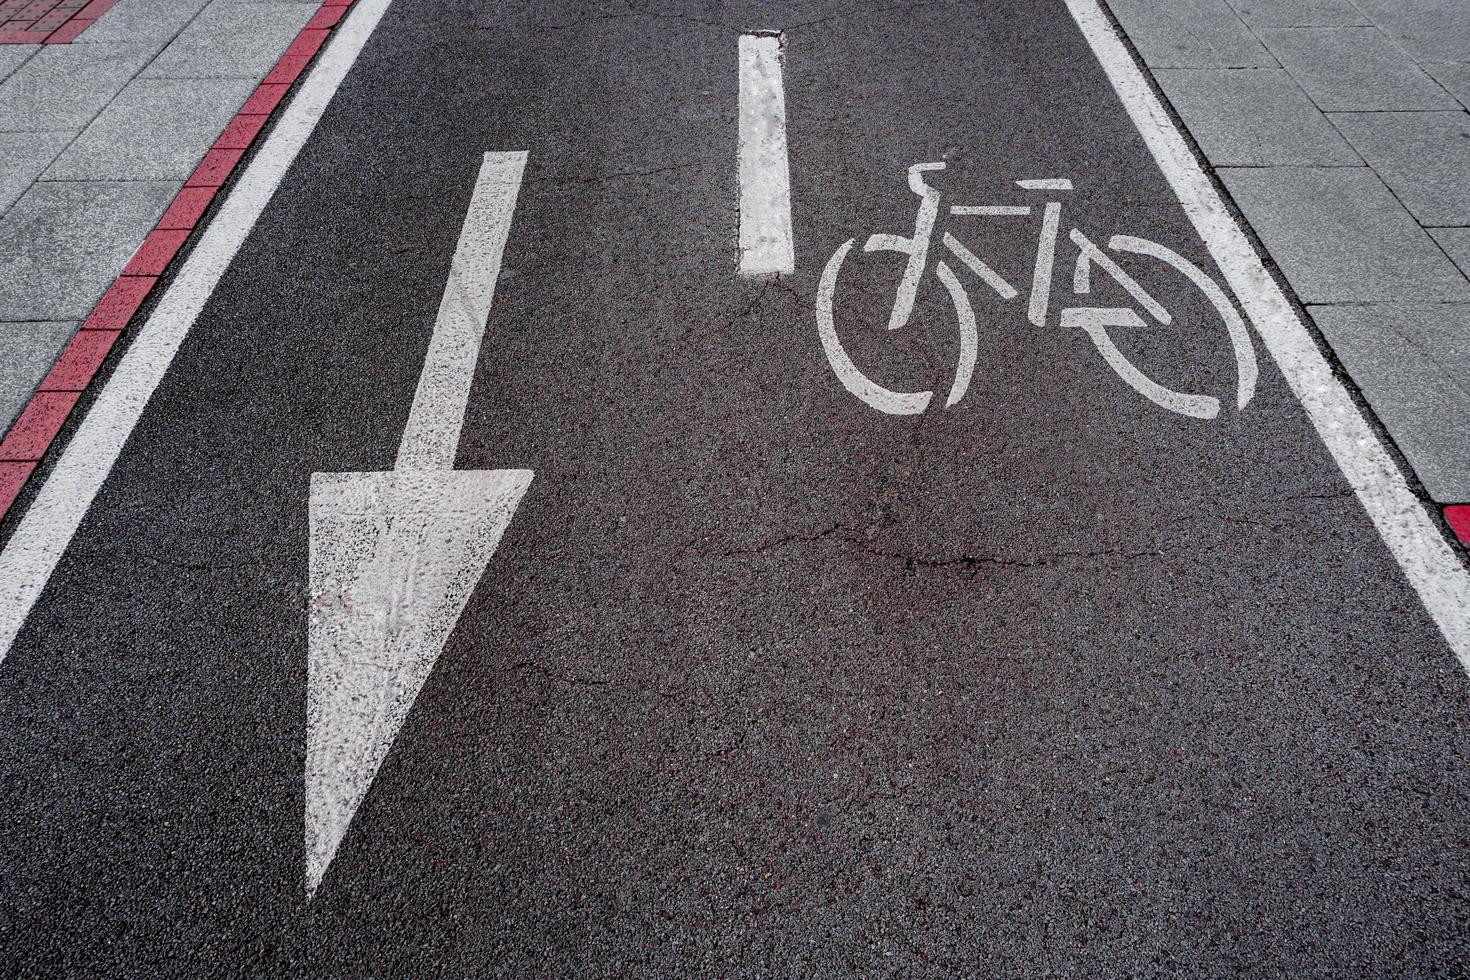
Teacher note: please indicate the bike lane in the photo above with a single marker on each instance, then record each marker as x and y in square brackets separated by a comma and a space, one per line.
[758, 678]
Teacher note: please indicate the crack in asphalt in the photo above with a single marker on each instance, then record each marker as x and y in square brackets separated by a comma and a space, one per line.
[556, 181]
[849, 535]
[855, 11]
[772, 282]
[568, 679]
[635, 11]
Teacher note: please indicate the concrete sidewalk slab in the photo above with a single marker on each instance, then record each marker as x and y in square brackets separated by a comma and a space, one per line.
[12, 56]
[1412, 363]
[65, 85]
[1456, 243]
[1299, 13]
[1354, 69]
[1190, 34]
[155, 129]
[232, 40]
[1254, 117]
[1454, 76]
[1423, 157]
[153, 22]
[27, 350]
[1341, 237]
[62, 244]
[1430, 30]
[23, 156]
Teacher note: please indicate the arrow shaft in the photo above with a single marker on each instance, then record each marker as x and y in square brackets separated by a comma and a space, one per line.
[431, 438]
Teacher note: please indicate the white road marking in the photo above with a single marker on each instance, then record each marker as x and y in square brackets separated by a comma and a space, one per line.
[992, 210]
[1427, 559]
[1246, 370]
[969, 335]
[1096, 322]
[1046, 253]
[1092, 255]
[852, 378]
[395, 556]
[431, 438]
[976, 265]
[1046, 184]
[765, 182]
[43, 535]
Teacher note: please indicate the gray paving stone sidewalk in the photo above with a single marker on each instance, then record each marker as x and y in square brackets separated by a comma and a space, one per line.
[1347, 148]
[96, 137]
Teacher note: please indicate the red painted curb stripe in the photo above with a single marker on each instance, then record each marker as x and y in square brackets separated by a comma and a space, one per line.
[32, 433]
[43, 417]
[215, 168]
[264, 99]
[81, 359]
[189, 206]
[13, 476]
[240, 133]
[287, 70]
[77, 364]
[307, 43]
[119, 303]
[156, 252]
[327, 17]
[1458, 516]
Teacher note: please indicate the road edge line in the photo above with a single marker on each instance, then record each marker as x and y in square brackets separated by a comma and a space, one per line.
[1412, 536]
[44, 533]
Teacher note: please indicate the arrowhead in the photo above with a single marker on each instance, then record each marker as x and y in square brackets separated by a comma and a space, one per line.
[394, 559]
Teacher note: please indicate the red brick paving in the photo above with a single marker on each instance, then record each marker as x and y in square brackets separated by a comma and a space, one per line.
[48, 21]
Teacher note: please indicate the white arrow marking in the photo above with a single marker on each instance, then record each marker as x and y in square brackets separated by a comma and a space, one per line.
[396, 555]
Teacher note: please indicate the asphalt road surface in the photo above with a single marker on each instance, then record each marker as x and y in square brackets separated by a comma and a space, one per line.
[759, 681]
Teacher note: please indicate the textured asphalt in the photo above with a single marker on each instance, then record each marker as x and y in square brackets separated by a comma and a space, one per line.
[760, 682]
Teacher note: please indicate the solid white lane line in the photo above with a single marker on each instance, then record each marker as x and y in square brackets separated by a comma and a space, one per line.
[765, 182]
[1427, 559]
[42, 537]
[431, 439]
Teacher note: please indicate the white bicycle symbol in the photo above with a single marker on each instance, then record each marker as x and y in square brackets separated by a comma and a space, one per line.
[1094, 320]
